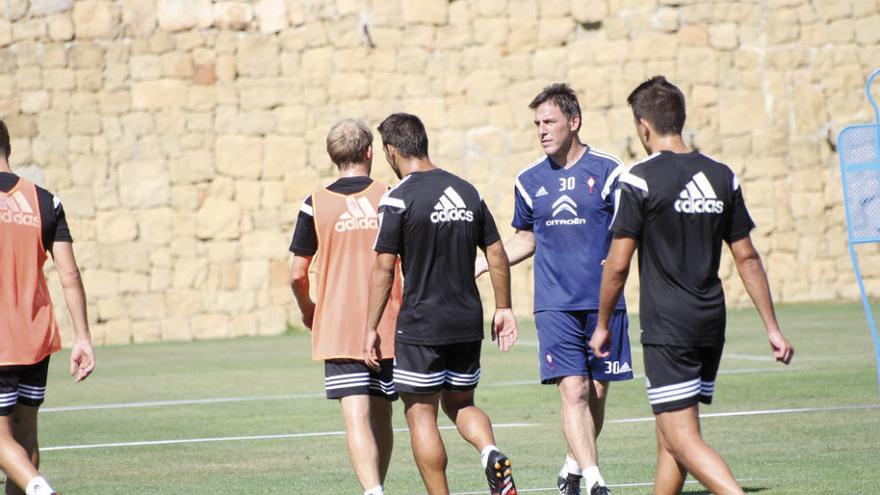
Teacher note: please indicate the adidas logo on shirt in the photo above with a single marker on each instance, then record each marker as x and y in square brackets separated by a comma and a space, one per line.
[699, 197]
[16, 209]
[541, 192]
[451, 208]
[360, 216]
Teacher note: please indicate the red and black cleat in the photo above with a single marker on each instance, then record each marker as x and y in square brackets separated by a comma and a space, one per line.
[499, 474]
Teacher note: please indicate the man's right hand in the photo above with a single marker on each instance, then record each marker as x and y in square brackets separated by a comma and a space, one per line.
[481, 266]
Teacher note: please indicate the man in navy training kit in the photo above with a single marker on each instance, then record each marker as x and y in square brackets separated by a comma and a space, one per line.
[435, 222]
[564, 203]
[676, 208]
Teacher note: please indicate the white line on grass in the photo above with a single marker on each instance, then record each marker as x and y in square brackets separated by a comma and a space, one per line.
[764, 412]
[218, 400]
[242, 438]
[502, 425]
[161, 403]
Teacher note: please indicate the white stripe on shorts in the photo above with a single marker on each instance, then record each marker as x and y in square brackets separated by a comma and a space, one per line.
[31, 387]
[670, 393]
[347, 380]
[346, 376]
[707, 388]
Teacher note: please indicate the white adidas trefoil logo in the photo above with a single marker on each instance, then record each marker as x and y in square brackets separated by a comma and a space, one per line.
[450, 207]
[360, 215]
[698, 197]
[16, 209]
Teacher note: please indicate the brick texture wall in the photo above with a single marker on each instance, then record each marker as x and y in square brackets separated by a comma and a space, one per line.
[182, 135]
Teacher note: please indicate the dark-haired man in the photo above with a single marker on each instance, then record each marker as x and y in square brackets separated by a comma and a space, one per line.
[343, 217]
[32, 223]
[676, 208]
[564, 203]
[435, 222]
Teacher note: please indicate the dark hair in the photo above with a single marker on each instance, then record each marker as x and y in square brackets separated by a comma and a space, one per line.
[562, 95]
[5, 147]
[659, 102]
[405, 132]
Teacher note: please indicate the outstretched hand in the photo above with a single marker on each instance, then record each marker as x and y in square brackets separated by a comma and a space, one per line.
[504, 328]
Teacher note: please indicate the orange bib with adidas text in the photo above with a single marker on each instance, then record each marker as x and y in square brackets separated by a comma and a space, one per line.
[347, 226]
[28, 331]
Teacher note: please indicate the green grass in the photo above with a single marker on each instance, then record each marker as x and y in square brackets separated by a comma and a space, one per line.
[800, 453]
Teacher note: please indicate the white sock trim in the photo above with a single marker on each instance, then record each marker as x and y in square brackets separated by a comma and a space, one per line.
[570, 466]
[592, 476]
[484, 454]
[376, 490]
[38, 486]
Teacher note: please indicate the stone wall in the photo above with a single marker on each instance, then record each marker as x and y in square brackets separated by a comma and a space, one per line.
[182, 135]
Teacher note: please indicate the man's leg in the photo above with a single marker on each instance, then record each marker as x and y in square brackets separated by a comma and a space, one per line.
[24, 431]
[427, 445]
[681, 435]
[14, 459]
[598, 396]
[670, 473]
[380, 423]
[362, 444]
[577, 420]
[473, 424]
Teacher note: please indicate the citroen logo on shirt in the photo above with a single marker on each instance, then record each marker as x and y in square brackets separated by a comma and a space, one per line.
[564, 204]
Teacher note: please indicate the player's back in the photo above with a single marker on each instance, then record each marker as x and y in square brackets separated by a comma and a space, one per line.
[28, 331]
[691, 204]
[346, 226]
[436, 221]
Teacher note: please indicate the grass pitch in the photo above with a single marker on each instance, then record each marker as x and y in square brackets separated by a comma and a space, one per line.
[249, 416]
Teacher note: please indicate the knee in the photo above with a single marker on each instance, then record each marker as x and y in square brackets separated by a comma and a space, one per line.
[572, 392]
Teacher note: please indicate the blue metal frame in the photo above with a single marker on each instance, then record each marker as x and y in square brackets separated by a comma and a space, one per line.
[869, 314]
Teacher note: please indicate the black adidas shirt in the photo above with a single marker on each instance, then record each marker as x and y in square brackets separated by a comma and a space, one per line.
[435, 221]
[680, 207]
[54, 223]
[305, 237]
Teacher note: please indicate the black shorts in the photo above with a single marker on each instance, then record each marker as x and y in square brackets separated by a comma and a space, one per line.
[344, 377]
[427, 369]
[680, 377]
[22, 384]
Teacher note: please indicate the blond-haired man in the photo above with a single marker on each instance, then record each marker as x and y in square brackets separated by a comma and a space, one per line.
[339, 223]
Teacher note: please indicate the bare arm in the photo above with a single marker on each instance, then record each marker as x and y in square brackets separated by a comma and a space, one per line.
[82, 356]
[614, 275]
[380, 289]
[504, 327]
[751, 271]
[299, 283]
[518, 248]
